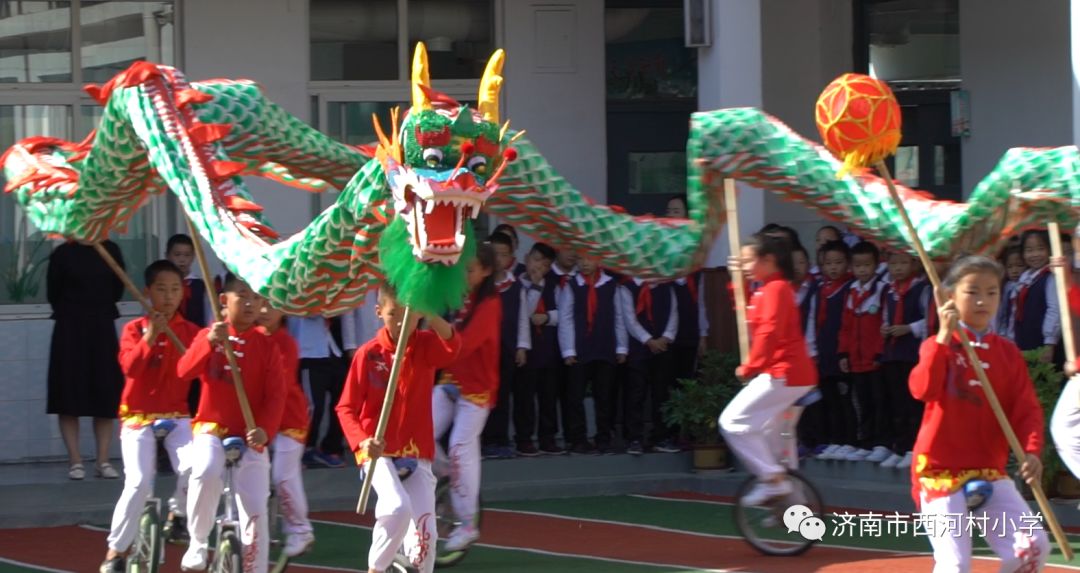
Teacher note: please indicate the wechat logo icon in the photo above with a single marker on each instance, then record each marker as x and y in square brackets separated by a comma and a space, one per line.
[799, 519]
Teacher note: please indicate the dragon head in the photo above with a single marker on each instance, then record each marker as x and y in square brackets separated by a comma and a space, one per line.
[443, 161]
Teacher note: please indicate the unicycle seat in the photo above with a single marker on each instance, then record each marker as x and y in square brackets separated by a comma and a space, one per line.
[809, 398]
[162, 427]
[234, 448]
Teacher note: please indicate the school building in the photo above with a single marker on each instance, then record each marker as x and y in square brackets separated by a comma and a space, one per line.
[604, 88]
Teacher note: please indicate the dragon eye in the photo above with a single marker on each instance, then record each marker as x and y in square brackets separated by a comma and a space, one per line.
[478, 164]
[433, 156]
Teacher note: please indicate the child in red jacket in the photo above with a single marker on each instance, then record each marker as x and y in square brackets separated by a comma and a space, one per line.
[292, 435]
[405, 507]
[861, 345]
[777, 373]
[152, 391]
[960, 440]
[468, 390]
[219, 417]
[1065, 423]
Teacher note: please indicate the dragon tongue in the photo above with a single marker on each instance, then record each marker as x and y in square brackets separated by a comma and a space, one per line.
[441, 225]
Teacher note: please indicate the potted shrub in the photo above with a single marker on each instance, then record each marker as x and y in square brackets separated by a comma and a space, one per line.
[695, 405]
[1048, 384]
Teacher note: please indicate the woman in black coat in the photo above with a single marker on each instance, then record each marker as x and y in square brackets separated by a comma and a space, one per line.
[84, 372]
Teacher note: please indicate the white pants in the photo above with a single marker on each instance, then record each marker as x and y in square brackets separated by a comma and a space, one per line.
[752, 421]
[404, 516]
[468, 422]
[1021, 545]
[251, 482]
[138, 446]
[289, 483]
[1065, 425]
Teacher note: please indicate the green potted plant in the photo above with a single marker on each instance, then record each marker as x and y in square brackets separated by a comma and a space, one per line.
[1047, 380]
[23, 273]
[695, 404]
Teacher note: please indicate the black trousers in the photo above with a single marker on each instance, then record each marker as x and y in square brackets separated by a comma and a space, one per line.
[684, 361]
[599, 375]
[324, 377]
[871, 409]
[497, 429]
[536, 391]
[905, 411]
[651, 378]
[839, 410]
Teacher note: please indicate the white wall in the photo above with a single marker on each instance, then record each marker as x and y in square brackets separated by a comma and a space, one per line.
[1015, 61]
[265, 41]
[730, 75]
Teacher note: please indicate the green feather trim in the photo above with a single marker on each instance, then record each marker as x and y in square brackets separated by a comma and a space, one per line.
[427, 288]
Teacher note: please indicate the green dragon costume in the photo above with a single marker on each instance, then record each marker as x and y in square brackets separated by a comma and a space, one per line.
[403, 208]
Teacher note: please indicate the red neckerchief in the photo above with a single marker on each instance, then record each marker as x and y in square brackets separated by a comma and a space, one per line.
[1021, 296]
[691, 285]
[644, 302]
[182, 309]
[504, 284]
[901, 289]
[541, 308]
[829, 288]
[857, 298]
[459, 319]
[590, 306]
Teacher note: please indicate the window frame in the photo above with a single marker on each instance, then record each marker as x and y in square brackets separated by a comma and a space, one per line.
[71, 94]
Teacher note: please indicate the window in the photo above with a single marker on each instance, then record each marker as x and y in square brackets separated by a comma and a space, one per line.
[362, 41]
[911, 40]
[40, 44]
[646, 53]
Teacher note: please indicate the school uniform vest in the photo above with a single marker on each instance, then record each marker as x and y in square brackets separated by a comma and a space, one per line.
[545, 339]
[511, 310]
[689, 329]
[828, 331]
[195, 309]
[906, 347]
[661, 311]
[1027, 328]
[599, 344]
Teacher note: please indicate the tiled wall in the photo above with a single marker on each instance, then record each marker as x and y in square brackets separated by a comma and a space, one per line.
[26, 431]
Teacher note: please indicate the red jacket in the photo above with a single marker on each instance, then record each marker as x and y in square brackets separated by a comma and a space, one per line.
[476, 369]
[151, 387]
[860, 327]
[959, 431]
[263, 376]
[1073, 292]
[777, 346]
[410, 431]
[295, 418]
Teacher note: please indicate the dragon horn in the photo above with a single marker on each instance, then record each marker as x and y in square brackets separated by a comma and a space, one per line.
[488, 101]
[420, 77]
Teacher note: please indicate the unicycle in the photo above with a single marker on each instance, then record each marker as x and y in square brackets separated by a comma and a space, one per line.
[770, 528]
[146, 552]
[273, 512]
[228, 552]
[446, 520]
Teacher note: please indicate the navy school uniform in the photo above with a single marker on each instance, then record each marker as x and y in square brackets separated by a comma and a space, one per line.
[195, 308]
[904, 303]
[1036, 311]
[537, 384]
[497, 430]
[693, 324]
[650, 311]
[838, 421]
[595, 347]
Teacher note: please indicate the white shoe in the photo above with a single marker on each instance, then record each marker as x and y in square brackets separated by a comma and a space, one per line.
[843, 452]
[194, 558]
[858, 455]
[299, 543]
[461, 538]
[891, 461]
[763, 492]
[879, 454]
[827, 453]
[904, 462]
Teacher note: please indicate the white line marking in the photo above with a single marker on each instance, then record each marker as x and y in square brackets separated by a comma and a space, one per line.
[31, 566]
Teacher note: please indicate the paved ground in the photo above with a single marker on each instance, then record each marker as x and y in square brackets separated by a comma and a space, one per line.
[656, 533]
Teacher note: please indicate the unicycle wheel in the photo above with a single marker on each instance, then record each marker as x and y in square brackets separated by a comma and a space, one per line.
[768, 529]
[227, 556]
[146, 551]
[446, 521]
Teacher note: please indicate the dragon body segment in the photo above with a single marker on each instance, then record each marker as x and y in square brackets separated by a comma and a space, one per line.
[404, 205]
